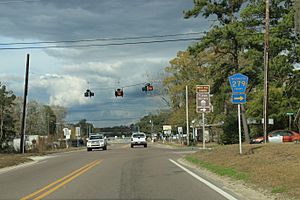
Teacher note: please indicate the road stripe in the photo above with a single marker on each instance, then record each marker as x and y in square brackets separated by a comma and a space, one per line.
[212, 186]
[69, 176]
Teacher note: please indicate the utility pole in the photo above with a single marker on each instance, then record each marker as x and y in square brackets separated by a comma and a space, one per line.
[22, 142]
[187, 115]
[266, 72]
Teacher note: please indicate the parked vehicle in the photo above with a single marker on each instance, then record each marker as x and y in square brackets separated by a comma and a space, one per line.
[287, 136]
[96, 141]
[138, 139]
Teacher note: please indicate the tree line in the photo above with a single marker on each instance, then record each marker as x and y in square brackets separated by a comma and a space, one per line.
[40, 119]
[235, 44]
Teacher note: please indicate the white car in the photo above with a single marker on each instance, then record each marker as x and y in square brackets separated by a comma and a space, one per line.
[96, 141]
[138, 139]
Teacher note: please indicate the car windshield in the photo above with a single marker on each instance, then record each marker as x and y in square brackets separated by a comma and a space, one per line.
[96, 137]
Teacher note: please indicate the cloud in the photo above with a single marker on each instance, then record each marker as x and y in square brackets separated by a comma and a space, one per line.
[63, 90]
[61, 76]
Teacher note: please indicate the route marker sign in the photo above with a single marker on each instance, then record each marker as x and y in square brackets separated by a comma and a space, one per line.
[238, 83]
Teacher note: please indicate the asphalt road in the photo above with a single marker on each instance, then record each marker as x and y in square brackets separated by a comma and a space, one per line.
[120, 172]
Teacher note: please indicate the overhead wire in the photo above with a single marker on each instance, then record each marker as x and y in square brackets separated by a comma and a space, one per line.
[97, 45]
[35, 45]
[101, 39]
[18, 1]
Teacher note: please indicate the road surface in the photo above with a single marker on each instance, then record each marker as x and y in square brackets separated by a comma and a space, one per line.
[120, 172]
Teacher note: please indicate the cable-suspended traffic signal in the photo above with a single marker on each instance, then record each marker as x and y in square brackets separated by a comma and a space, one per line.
[119, 92]
[89, 93]
[147, 87]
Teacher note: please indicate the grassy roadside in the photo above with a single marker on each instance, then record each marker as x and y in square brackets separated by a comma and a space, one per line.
[270, 167]
[8, 160]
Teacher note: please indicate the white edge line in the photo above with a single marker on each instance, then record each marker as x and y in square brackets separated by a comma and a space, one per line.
[212, 186]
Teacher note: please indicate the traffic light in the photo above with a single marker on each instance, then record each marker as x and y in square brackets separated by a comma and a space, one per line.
[89, 93]
[147, 87]
[119, 93]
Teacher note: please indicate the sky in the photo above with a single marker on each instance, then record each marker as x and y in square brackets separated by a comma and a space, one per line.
[125, 59]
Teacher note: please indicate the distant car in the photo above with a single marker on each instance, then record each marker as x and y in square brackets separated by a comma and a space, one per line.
[96, 141]
[138, 139]
[287, 136]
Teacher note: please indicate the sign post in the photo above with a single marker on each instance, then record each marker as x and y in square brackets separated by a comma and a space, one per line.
[67, 134]
[203, 105]
[238, 84]
[77, 131]
[290, 114]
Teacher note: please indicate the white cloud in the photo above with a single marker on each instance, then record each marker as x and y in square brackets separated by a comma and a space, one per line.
[61, 76]
[63, 90]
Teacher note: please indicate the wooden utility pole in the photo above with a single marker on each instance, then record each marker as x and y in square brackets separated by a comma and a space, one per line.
[187, 116]
[297, 16]
[22, 143]
[266, 71]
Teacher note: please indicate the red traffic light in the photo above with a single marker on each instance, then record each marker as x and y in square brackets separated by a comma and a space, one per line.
[119, 92]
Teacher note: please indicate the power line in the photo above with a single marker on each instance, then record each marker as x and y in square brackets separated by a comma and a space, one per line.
[18, 1]
[101, 39]
[107, 39]
[98, 45]
[126, 86]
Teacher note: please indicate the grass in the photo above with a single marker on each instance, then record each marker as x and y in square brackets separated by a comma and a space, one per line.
[270, 167]
[278, 190]
[219, 170]
[11, 159]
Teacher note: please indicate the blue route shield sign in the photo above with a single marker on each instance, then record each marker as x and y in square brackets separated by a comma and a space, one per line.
[238, 83]
[238, 98]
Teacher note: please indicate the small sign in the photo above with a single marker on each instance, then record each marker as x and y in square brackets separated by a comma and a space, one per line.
[66, 131]
[203, 97]
[270, 121]
[77, 131]
[290, 113]
[238, 98]
[205, 110]
[167, 127]
[202, 89]
[238, 83]
[180, 130]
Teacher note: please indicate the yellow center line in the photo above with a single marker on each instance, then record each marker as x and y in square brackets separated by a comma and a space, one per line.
[65, 182]
[57, 181]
